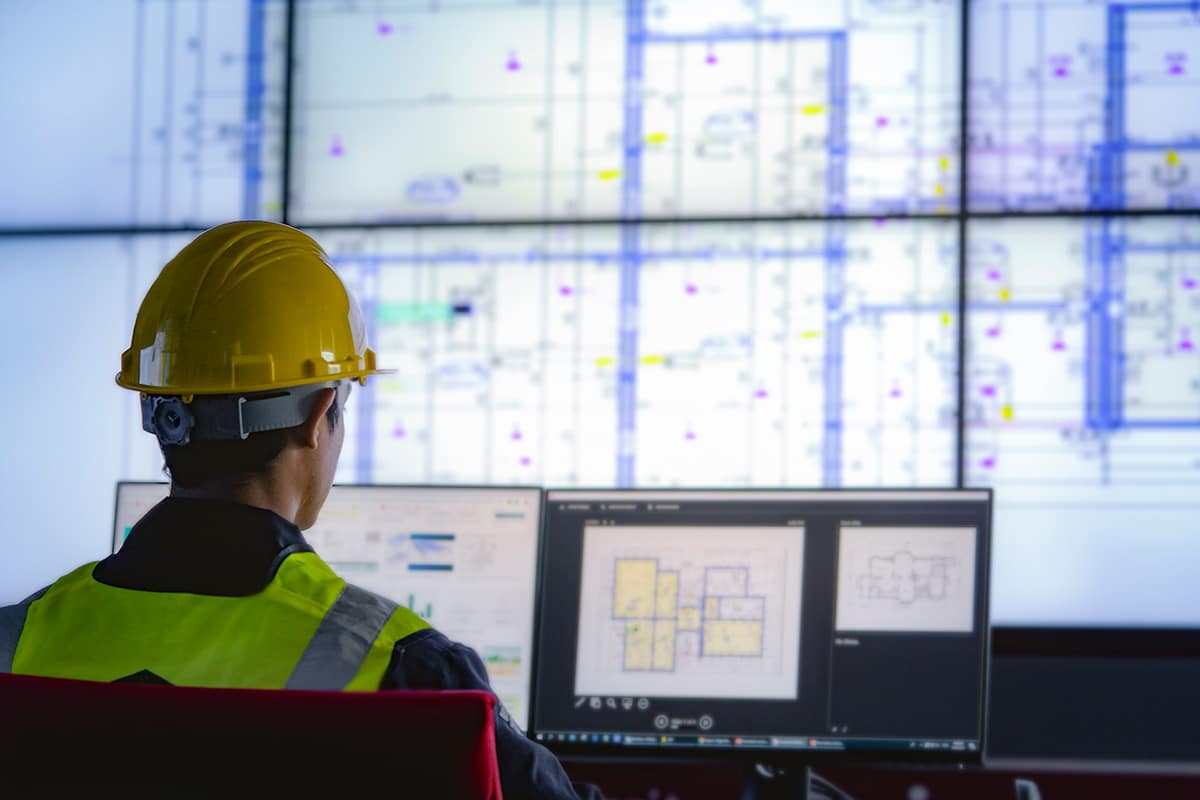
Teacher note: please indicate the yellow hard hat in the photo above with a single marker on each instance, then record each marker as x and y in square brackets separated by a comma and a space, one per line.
[246, 307]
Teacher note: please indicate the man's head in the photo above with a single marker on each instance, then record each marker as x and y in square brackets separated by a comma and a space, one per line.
[244, 351]
[297, 462]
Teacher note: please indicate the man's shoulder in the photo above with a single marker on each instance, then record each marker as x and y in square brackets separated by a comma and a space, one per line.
[428, 659]
[429, 642]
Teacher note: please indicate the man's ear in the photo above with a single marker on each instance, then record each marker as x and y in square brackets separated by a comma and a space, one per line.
[310, 429]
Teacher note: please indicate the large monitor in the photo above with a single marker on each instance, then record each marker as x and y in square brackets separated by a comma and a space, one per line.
[838, 623]
[463, 558]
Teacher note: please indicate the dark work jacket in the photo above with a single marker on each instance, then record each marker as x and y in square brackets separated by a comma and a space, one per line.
[215, 547]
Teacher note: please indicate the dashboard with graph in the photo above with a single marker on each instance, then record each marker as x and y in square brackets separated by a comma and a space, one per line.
[464, 559]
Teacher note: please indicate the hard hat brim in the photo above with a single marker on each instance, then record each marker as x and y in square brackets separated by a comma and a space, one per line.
[177, 390]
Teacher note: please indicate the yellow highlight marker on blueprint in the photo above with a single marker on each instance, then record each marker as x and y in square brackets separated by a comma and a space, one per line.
[609, 174]
[656, 138]
[653, 360]
[944, 162]
[810, 334]
[1172, 158]
[812, 111]
[947, 320]
[1006, 411]
[605, 361]
[1005, 295]
[939, 190]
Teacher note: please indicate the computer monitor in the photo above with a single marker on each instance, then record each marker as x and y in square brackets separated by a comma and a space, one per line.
[815, 625]
[463, 558]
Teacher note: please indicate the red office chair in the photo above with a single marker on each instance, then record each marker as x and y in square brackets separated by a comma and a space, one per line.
[181, 740]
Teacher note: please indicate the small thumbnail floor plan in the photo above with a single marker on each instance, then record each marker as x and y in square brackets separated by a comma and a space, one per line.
[906, 579]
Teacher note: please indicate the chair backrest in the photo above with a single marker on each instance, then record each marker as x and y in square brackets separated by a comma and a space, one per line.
[420, 743]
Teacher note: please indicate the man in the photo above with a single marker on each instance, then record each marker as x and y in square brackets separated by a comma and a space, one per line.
[244, 351]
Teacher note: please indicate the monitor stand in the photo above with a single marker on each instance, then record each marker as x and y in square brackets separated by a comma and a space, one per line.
[769, 782]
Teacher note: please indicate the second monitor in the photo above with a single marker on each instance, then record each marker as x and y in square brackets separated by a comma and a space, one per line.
[850, 622]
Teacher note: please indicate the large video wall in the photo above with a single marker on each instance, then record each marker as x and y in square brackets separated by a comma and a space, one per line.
[669, 243]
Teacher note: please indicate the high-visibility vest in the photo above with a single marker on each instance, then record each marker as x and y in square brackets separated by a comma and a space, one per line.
[308, 629]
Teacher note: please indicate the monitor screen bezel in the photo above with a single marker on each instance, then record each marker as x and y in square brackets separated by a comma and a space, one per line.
[782, 756]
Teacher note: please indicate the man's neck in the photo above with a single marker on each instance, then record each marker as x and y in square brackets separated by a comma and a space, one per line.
[265, 491]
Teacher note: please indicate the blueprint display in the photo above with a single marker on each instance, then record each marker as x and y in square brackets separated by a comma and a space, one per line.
[606, 109]
[767, 354]
[1083, 411]
[690, 611]
[181, 103]
[1079, 104]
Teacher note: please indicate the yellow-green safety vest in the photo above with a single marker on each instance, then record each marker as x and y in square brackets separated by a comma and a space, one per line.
[308, 629]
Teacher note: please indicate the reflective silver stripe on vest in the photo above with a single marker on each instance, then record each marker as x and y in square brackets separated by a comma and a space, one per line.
[12, 622]
[342, 641]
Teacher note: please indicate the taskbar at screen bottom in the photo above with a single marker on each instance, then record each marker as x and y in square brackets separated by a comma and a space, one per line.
[968, 748]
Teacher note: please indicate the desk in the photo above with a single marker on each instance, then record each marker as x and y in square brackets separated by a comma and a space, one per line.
[696, 780]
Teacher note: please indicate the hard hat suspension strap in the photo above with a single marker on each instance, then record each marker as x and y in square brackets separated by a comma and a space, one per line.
[227, 416]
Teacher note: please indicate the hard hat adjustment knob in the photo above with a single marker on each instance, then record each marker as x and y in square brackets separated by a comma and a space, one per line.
[169, 419]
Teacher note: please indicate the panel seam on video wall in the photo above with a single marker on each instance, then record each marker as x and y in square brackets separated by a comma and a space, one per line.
[964, 74]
